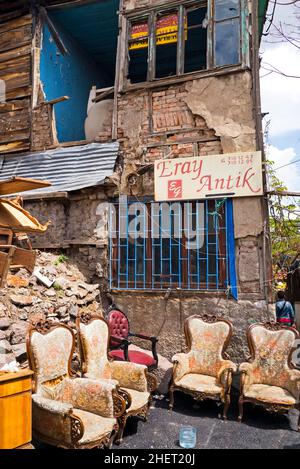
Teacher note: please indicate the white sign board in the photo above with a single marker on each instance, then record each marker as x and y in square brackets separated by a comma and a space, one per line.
[212, 176]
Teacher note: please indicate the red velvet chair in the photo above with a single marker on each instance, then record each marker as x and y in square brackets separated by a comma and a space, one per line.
[120, 336]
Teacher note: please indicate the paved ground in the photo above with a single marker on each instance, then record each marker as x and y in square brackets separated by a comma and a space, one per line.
[259, 429]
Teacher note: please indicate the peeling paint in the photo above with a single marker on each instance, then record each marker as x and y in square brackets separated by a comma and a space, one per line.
[226, 106]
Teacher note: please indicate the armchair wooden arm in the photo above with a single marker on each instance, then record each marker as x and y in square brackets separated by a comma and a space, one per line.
[63, 427]
[122, 344]
[151, 339]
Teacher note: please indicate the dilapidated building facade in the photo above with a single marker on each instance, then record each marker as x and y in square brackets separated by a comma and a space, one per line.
[96, 93]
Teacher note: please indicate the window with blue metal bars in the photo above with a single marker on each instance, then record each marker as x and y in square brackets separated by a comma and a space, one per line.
[185, 245]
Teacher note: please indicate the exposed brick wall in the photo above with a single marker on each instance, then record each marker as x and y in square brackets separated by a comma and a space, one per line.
[159, 124]
[41, 130]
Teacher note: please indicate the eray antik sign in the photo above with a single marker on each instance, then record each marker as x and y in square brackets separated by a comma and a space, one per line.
[212, 176]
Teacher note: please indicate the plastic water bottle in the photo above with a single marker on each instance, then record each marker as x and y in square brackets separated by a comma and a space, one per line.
[188, 437]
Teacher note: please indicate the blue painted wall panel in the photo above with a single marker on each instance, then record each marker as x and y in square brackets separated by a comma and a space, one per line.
[72, 75]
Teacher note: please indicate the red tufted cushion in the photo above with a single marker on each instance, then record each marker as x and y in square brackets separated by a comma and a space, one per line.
[134, 356]
[118, 325]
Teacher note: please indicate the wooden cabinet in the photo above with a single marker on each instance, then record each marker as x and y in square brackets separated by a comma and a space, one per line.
[15, 409]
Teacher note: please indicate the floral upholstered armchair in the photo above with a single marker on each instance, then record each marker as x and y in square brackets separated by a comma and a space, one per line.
[269, 378]
[68, 412]
[136, 383]
[204, 372]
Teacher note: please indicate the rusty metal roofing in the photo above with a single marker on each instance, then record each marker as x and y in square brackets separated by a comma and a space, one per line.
[67, 169]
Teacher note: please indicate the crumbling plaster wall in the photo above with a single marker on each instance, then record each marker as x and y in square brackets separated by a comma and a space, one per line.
[225, 102]
[200, 116]
[75, 230]
[211, 115]
[151, 314]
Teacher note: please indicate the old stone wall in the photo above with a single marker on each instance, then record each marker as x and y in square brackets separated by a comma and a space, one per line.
[75, 230]
[151, 314]
[159, 124]
[204, 116]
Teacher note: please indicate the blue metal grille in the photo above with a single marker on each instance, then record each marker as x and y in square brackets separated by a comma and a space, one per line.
[155, 246]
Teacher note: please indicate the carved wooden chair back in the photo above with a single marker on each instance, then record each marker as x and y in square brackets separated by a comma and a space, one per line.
[50, 348]
[271, 346]
[207, 337]
[93, 337]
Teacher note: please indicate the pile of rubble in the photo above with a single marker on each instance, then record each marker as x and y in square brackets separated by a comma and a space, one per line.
[56, 289]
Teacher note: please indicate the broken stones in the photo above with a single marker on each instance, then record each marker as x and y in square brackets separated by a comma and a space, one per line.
[63, 283]
[50, 293]
[23, 316]
[5, 346]
[4, 323]
[89, 298]
[89, 288]
[6, 358]
[60, 299]
[21, 300]
[73, 311]
[18, 333]
[3, 310]
[20, 352]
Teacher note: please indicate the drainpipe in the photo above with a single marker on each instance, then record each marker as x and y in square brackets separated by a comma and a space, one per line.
[117, 77]
[260, 146]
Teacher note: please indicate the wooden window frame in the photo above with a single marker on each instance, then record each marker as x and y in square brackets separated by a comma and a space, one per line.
[181, 7]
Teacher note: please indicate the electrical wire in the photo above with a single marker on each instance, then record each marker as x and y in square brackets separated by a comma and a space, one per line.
[271, 20]
[288, 164]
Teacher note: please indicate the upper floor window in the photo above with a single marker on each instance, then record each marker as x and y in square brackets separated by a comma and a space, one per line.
[193, 36]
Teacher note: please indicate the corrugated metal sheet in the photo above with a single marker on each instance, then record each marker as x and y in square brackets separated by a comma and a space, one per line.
[68, 169]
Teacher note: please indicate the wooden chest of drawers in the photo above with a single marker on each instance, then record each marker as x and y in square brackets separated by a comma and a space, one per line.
[15, 409]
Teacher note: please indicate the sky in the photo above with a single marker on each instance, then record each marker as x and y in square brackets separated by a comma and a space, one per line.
[281, 95]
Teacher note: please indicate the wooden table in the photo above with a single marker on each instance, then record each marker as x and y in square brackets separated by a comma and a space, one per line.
[15, 409]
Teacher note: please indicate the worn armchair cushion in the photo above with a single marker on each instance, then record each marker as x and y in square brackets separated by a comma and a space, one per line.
[130, 375]
[94, 396]
[88, 394]
[200, 383]
[50, 405]
[271, 394]
[94, 338]
[188, 364]
[96, 427]
[138, 399]
[134, 356]
[52, 419]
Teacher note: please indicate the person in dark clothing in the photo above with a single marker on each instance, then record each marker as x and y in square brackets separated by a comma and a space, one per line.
[284, 310]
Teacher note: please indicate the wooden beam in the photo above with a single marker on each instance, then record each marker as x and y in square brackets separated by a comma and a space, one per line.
[56, 100]
[181, 41]
[53, 31]
[152, 46]
[104, 94]
[48, 196]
